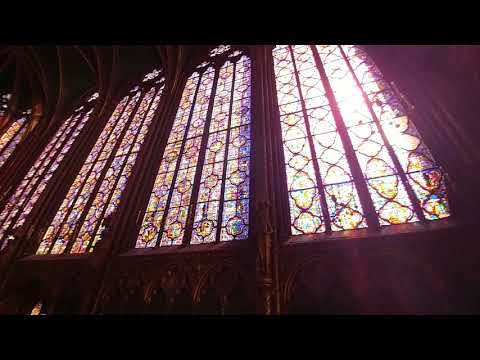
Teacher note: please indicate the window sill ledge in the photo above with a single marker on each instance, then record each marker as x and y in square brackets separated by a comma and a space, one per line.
[184, 249]
[164, 250]
[58, 257]
[349, 236]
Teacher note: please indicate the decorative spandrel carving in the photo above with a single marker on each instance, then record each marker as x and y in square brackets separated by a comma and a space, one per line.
[156, 301]
[209, 302]
[223, 291]
[126, 294]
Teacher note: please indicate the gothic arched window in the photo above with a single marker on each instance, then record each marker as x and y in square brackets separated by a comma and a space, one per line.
[201, 192]
[96, 191]
[21, 203]
[14, 133]
[353, 157]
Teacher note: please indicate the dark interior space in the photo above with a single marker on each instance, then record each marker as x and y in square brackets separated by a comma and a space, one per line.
[274, 253]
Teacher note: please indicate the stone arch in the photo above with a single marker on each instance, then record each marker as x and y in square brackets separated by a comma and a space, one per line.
[223, 289]
[169, 291]
[126, 294]
[320, 285]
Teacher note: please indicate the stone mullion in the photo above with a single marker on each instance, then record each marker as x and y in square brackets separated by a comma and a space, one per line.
[225, 159]
[30, 149]
[138, 189]
[368, 208]
[10, 119]
[103, 173]
[403, 177]
[22, 162]
[24, 245]
[60, 183]
[281, 213]
[37, 177]
[263, 187]
[127, 156]
[178, 163]
[41, 143]
[327, 221]
[77, 155]
[187, 235]
[125, 222]
[74, 174]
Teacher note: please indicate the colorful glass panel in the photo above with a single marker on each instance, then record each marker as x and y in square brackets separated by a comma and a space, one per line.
[311, 140]
[96, 191]
[384, 184]
[216, 129]
[386, 144]
[424, 175]
[26, 195]
[11, 138]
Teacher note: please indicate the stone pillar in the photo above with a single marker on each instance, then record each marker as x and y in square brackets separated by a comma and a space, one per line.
[265, 207]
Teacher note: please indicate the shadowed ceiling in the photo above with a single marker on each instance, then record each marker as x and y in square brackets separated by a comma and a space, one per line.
[56, 76]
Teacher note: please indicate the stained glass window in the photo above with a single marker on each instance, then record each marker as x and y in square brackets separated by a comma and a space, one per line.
[353, 157]
[14, 133]
[97, 189]
[21, 202]
[201, 192]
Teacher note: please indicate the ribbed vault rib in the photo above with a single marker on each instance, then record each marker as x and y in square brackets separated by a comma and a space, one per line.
[87, 60]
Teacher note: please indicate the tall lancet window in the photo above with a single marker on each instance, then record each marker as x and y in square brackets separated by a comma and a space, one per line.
[97, 189]
[353, 157]
[21, 203]
[14, 133]
[201, 193]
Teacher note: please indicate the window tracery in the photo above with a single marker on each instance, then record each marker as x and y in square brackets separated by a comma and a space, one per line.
[201, 192]
[20, 204]
[97, 189]
[353, 157]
